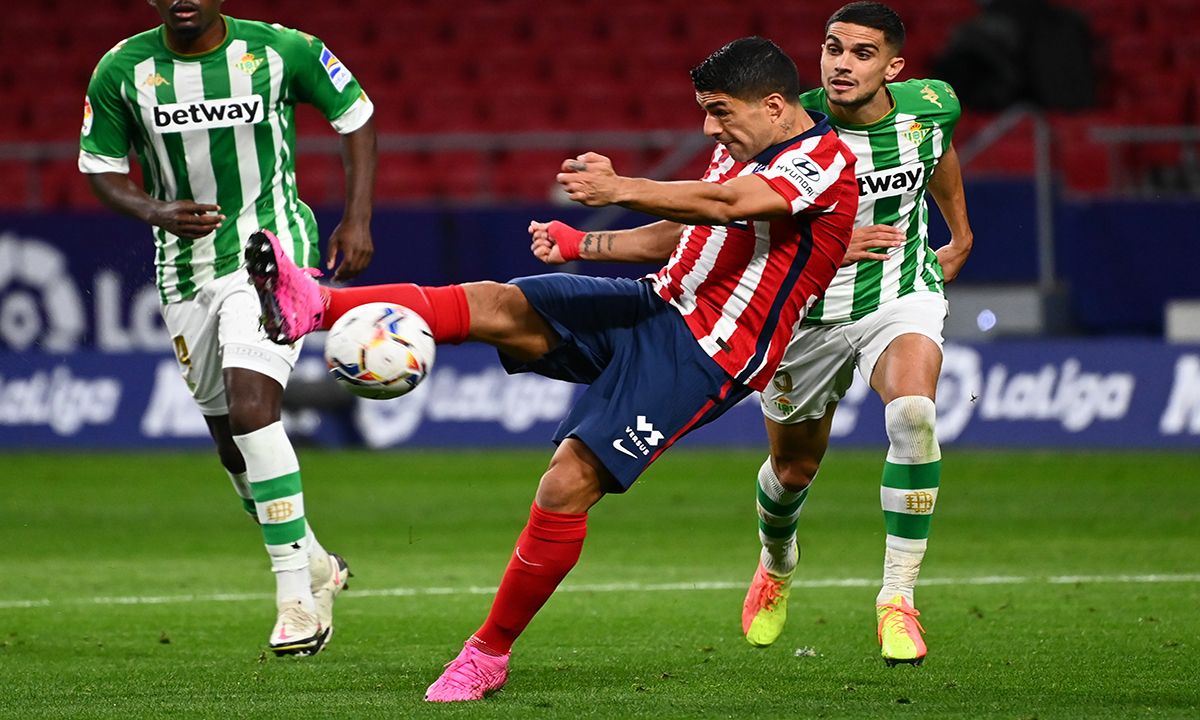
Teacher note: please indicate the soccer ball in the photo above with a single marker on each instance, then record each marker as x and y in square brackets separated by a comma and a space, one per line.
[379, 350]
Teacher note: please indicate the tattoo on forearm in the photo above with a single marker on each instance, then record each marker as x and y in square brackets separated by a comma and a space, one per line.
[594, 243]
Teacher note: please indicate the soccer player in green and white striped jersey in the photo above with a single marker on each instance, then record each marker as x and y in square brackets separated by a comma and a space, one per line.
[883, 315]
[206, 102]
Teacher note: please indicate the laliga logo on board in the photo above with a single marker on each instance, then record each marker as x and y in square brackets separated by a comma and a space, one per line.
[452, 395]
[41, 306]
[1065, 393]
[39, 302]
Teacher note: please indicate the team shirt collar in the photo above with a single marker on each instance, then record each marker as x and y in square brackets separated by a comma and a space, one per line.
[819, 128]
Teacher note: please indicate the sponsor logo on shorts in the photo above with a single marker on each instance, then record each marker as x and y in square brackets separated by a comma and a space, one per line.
[642, 443]
[206, 114]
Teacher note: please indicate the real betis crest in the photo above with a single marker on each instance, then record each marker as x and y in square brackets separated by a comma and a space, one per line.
[248, 64]
[915, 133]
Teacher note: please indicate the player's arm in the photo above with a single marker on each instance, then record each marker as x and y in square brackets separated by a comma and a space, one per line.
[946, 187]
[319, 77]
[590, 180]
[103, 158]
[179, 217]
[352, 236]
[556, 242]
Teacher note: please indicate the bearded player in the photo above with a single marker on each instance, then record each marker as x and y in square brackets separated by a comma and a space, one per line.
[882, 315]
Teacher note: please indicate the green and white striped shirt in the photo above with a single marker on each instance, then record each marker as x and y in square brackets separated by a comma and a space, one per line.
[217, 127]
[896, 158]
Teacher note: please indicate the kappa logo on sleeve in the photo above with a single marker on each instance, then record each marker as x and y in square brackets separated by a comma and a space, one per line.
[207, 114]
[337, 72]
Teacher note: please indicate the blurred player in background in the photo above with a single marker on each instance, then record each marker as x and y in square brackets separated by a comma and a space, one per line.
[207, 101]
[883, 315]
[759, 243]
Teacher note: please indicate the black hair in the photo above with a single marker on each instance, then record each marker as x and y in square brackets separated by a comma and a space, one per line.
[749, 68]
[876, 16]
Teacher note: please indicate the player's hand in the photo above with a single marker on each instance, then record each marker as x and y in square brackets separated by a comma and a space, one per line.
[952, 256]
[589, 179]
[544, 247]
[554, 243]
[353, 241]
[186, 219]
[865, 242]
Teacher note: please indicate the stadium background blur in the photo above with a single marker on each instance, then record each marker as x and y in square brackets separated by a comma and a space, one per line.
[1083, 180]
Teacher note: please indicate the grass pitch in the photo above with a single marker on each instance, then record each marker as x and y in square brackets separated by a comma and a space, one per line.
[1058, 586]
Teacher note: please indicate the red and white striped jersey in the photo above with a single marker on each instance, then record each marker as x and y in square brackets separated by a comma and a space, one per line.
[742, 288]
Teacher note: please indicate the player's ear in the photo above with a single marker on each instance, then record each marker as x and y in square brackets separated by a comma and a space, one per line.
[775, 105]
[895, 65]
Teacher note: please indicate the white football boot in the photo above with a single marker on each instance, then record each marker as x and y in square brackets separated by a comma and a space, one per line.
[327, 584]
[297, 631]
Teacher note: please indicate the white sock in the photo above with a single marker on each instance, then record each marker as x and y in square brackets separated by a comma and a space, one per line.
[778, 516]
[274, 475]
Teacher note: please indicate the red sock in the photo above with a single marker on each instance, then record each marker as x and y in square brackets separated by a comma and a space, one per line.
[546, 551]
[444, 308]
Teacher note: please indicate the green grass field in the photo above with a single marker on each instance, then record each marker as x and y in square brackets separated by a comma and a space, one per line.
[1059, 586]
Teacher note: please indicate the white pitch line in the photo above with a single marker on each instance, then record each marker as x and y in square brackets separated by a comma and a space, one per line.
[632, 587]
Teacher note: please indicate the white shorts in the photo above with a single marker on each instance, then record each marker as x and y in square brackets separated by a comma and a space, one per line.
[818, 365]
[219, 328]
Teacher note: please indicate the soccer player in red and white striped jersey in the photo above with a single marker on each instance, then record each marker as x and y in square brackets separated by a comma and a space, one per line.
[662, 355]
[742, 286]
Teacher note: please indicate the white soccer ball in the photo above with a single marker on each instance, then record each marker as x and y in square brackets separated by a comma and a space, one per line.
[380, 350]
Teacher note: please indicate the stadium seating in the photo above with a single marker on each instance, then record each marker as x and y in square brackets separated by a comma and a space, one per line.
[497, 66]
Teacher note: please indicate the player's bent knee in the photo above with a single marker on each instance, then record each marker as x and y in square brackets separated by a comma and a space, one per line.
[503, 317]
[575, 480]
[793, 472]
[911, 423]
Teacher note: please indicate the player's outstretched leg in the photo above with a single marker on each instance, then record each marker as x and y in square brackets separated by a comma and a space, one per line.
[909, 492]
[293, 304]
[764, 611]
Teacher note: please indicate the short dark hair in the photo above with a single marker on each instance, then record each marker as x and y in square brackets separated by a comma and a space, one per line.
[749, 68]
[873, 15]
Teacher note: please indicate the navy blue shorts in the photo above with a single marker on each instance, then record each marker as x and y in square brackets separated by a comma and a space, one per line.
[650, 383]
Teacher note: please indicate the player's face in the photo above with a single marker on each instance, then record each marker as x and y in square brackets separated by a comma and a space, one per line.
[188, 18]
[856, 62]
[744, 128]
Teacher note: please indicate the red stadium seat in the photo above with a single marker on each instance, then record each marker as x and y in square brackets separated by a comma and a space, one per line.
[1083, 164]
[403, 177]
[516, 108]
[440, 108]
[597, 107]
[64, 187]
[528, 174]
[15, 181]
[321, 179]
